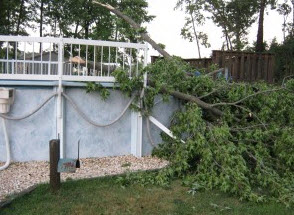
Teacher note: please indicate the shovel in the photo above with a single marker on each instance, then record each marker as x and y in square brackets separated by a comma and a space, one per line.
[78, 164]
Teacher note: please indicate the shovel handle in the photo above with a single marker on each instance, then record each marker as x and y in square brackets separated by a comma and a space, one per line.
[78, 149]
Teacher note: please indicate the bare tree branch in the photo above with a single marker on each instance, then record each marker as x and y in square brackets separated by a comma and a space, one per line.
[249, 111]
[247, 97]
[246, 128]
[193, 99]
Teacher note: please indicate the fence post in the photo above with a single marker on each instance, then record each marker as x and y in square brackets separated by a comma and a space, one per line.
[60, 105]
[54, 154]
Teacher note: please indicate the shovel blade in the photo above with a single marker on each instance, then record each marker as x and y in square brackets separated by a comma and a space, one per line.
[78, 164]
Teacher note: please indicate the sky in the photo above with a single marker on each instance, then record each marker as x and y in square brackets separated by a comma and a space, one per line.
[166, 29]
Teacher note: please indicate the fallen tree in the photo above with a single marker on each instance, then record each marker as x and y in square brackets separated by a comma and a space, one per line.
[239, 137]
[136, 26]
[157, 47]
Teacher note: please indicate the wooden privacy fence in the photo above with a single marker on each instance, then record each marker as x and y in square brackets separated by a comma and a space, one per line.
[246, 66]
[204, 63]
[240, 66]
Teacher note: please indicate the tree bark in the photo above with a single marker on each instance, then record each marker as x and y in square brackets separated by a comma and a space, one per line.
[86, 29]
[8, 22]
[176, 94]
[195, 33]
[76, 30]
[224, 24]
[19, 17]
[259, 41]
[190, 98]
[41, 22]
[194, 99]
[293, 17]
[137, 27]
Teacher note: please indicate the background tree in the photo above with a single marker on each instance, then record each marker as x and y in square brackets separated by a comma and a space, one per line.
[71, 18]
[284, 9]
[195, 18]
[262, 5]
[292, 31]
[234, 17]
[15, 17]
[217, 8]
[241, 15]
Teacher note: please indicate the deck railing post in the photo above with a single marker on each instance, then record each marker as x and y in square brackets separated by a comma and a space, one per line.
[60, 105]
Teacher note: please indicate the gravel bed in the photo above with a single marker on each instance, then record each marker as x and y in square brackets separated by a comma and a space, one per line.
[20, 176]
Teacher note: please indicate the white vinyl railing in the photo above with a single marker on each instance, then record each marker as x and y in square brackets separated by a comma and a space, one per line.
[46, 58]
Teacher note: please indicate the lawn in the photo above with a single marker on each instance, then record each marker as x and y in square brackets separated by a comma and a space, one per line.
[105, 196]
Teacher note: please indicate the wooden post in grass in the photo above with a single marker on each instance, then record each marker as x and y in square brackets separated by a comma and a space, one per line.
[54, 150]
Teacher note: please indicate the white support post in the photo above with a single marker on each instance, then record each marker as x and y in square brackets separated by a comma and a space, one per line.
[60, 105]
[137, 120]
[136, 134]
[162, 127]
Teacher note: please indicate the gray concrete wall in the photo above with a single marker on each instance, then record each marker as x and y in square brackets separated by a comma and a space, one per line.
[29, 138]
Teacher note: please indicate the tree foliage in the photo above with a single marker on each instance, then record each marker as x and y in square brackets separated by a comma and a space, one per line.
[284, 55]
[71, 18]
[15, 17]
[195, 18]
[234, 17]
[247, 152]
[235, 137]
[285, 9]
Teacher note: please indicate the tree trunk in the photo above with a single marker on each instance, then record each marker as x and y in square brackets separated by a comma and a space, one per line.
[229, 42]
[137, 27]
[190, 98]
[195, 33]
[116, 32]
[41, 22]
[176, 94]
[86, 30]
[8, 22]
[284, 29]
[293, 17]
[224, 26]
[76, 30]
[199, 102]
[19, 17]
[238, 41]
[259, 41]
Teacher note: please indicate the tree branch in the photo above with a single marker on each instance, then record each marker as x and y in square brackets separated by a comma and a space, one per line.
[249, 111]
[247, 97]
[215, 72]
[145, 37]
[136, 26]
[194, 99]
[246, 128]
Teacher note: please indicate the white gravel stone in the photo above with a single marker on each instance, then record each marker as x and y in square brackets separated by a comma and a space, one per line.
[20, 176]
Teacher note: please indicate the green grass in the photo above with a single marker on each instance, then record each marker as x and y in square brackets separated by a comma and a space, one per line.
[104, 196]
